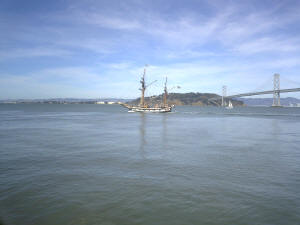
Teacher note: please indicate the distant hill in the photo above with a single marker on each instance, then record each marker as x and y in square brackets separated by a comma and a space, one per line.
[268, 101]
[200, 99]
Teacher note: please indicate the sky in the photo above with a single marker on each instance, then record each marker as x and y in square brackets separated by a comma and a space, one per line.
[99, 48]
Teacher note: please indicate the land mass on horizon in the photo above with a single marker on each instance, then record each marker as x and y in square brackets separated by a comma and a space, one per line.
[197, 99]
[191, 98]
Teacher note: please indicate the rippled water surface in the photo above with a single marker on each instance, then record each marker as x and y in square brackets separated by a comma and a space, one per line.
[99, 164]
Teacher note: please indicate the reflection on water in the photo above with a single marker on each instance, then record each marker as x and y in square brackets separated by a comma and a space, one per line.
[164, 130]
[157, 127]
[164, 134]
[142, 133]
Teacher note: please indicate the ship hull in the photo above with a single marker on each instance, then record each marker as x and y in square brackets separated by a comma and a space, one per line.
[148, 109]
[152, 110]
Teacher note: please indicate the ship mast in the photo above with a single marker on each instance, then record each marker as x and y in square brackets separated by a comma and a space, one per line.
[165, 93]
[143, 88]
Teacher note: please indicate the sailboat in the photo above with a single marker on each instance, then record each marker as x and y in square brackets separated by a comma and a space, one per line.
[143, 107]
[230, 106]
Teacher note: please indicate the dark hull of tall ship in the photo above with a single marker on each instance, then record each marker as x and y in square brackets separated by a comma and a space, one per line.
[148, 109]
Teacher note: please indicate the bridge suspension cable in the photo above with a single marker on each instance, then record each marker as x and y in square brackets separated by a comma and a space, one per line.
[276, 92]
[224, 94]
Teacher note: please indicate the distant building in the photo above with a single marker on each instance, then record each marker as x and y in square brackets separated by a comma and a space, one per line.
[100, 103]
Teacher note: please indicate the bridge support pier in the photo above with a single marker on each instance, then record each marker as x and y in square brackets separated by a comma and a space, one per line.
[276, 93]
[224, 93]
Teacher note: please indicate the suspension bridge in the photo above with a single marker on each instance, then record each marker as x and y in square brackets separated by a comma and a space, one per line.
[276, 93]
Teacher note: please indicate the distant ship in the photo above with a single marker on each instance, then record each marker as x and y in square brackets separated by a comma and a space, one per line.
[143, 107]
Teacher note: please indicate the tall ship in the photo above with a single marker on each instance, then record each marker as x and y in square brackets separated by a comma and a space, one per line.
[143, 106]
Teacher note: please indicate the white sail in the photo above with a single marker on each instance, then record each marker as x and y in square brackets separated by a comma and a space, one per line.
[230, 106]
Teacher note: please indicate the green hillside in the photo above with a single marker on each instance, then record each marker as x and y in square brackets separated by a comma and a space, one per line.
[200, 99]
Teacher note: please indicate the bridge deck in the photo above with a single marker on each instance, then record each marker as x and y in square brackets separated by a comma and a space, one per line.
[259, 93]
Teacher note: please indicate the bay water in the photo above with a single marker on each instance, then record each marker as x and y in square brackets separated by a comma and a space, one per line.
[99, 164]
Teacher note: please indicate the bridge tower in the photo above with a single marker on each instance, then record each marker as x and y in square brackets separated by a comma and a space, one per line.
[276, 93]
[224, 94]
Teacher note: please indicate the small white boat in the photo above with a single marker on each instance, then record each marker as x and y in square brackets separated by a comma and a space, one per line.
[230, 106]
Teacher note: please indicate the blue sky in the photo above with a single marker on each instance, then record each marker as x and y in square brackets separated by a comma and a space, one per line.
[92, 49]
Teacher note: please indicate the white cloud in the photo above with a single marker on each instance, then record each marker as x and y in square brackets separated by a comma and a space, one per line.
[190, 54]
[50, 83]
[268, 44]
[118, 23]
[230, 26]
[119, 66]
[33, 52]
[122, 79]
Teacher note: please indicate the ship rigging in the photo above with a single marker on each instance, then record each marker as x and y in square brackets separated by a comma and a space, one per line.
[143, 107]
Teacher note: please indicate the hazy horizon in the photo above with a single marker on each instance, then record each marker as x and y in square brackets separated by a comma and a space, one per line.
[258, 98]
